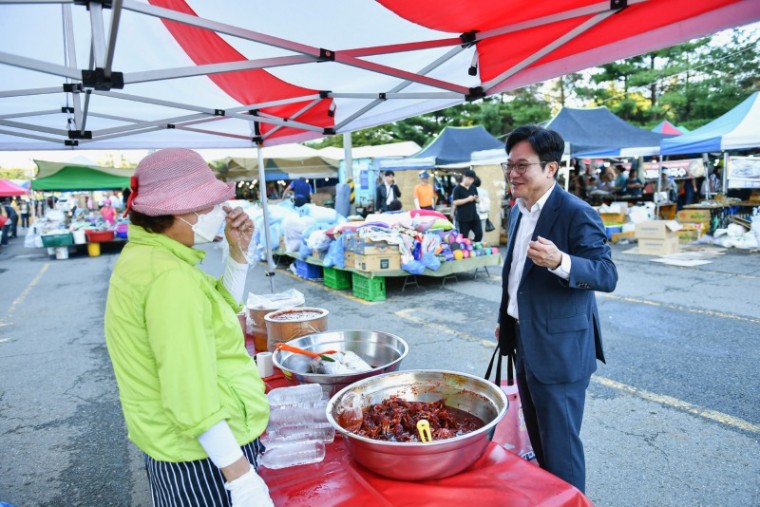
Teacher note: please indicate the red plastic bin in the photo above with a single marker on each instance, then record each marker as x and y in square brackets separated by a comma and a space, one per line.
[98, 236]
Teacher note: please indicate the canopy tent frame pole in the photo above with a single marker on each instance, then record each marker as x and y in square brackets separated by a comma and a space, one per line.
[277, 42]
[431, 66]
[29, 136]
[98, 46]
[400, 96]
[71, 59]
[724, 175]
[659, 189]
[116, 7]
[210, 69]
[494, 83]
[25, 114]
[567, 174]
[273, 103]
[269, 273]
[348, 159]
[30, 91]
[298, 113]
[39, 66]
[35, 128]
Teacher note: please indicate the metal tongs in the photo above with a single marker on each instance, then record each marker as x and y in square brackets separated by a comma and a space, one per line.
[296, 350]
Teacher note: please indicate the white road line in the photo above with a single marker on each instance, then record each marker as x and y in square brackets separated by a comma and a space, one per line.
[407, 315]
[26, 290]
[669, 401]
[681, 308]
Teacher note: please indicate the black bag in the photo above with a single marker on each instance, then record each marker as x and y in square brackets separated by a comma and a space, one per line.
[489, 225]
[505, 347]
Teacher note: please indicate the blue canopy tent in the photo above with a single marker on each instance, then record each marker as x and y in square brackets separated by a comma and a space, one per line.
[738, 129]
[453, 145]
[597, 132]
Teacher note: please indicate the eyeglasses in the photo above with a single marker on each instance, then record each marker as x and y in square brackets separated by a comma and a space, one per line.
[520, 167]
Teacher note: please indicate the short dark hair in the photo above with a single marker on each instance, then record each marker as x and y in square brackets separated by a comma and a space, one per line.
[395, 205]
[547, 143]
[157, 224]
[390, 173]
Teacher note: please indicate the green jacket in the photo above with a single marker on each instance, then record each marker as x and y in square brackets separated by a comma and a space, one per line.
[178, 351]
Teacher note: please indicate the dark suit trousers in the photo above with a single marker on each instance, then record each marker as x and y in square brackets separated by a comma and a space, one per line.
[553, 415]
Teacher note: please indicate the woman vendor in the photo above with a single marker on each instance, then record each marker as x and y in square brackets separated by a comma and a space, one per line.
[191, 395]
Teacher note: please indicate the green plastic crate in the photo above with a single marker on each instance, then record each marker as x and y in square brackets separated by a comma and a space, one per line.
[337, 278]
[55, 240]
[369, 289]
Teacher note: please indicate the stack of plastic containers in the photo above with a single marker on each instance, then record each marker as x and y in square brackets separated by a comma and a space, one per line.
[298, 429]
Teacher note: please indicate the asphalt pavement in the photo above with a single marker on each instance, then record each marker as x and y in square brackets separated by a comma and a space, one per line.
[672, 419]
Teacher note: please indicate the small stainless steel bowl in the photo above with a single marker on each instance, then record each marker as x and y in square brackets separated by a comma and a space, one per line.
[416, 461]
[383, 351]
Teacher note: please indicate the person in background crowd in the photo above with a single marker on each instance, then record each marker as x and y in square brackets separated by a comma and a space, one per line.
[25, 209]
[301, 191]
[557, 257]
[108, 212]
[5, 225]
[621, 180]
[424, 193]
[465, 199]
[386, 192]
[483, 206]
[687, 192]
[457, 180]
[191, 395]
[633, 186]
[668, 185]
[394, 206]
[125, 195]
[116, 202]
[12, 219]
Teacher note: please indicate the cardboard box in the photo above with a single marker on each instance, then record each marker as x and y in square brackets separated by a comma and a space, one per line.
[689, 236]
[693, 215]
[657, 229]
[349, 259]
[377, 262]
[649, 246]
[694, 226]
[369, 247]
[612, 218]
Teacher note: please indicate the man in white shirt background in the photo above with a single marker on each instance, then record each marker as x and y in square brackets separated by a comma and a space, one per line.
[557, 256]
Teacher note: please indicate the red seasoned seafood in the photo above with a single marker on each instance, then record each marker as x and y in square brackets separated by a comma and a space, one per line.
[395, 420]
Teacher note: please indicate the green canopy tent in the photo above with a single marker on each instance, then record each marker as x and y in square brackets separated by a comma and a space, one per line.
[62, 176]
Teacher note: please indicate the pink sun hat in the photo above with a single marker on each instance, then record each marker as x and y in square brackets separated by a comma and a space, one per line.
[176, 181]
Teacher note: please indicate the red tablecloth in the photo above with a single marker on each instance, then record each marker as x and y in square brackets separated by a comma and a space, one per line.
[498, 478]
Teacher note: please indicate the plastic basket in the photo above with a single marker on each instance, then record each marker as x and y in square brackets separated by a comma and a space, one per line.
[99, 236]
[308, 271]
[369, 289]
[337, 279]
[55, 240]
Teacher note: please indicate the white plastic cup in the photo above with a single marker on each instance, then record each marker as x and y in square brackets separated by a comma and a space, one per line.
[265, 364]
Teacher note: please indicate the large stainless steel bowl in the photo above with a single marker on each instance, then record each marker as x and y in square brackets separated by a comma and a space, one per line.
[383, 351]
[415, 461]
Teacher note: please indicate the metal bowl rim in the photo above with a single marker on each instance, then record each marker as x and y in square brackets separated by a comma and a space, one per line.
[276, 354]
[325, 313]
[399, 445]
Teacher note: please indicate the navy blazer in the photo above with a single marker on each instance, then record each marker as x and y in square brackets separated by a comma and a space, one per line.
[559, 320]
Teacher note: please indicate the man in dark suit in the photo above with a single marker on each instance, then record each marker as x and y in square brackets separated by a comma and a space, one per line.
[387, 192]
[557, 256]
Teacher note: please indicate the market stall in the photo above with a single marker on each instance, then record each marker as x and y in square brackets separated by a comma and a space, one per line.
[10, 189]
[81, 219]
[498, 478]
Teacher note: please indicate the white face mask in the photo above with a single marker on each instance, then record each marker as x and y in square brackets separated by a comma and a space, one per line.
[207, 225]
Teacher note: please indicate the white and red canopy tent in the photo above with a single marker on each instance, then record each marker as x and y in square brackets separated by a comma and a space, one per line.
[231, 73]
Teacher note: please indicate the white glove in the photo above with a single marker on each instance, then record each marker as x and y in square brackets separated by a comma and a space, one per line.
[249, 490]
